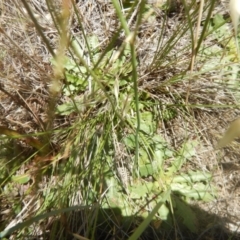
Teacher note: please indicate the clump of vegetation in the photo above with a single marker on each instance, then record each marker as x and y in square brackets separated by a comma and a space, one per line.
[99, 152]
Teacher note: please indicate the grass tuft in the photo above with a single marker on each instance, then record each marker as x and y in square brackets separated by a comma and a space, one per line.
[108, 117]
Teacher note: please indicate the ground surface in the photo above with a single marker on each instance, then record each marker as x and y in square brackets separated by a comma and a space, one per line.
[24, 94]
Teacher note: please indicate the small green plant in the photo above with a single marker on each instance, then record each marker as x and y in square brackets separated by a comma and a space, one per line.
[160, 169]
[113, 72]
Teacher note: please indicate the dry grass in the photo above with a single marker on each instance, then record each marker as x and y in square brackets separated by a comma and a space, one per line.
[26, 73]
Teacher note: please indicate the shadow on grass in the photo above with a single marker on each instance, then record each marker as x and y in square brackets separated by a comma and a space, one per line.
[109, 224]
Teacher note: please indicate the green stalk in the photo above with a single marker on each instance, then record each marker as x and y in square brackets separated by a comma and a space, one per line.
[206, 24]
[131, 40]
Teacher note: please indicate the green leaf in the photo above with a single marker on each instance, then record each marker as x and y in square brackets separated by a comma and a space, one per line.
[162, 151]
[139, 190]
[163, 212]
[147, 170]
[22, 179]
[71, 106]
[168, 153]
[65, 109]
[162, 199]
[17, 208]
[142, 188]
[68, 63]
[143, 157]
[188, 216]
[119, 200]
[188, 149]
[192, 176]
[147, 125]
[197, 191]
[159, 157]
[130, 141]
[186, 152]
[218, 20]
[158, 140]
